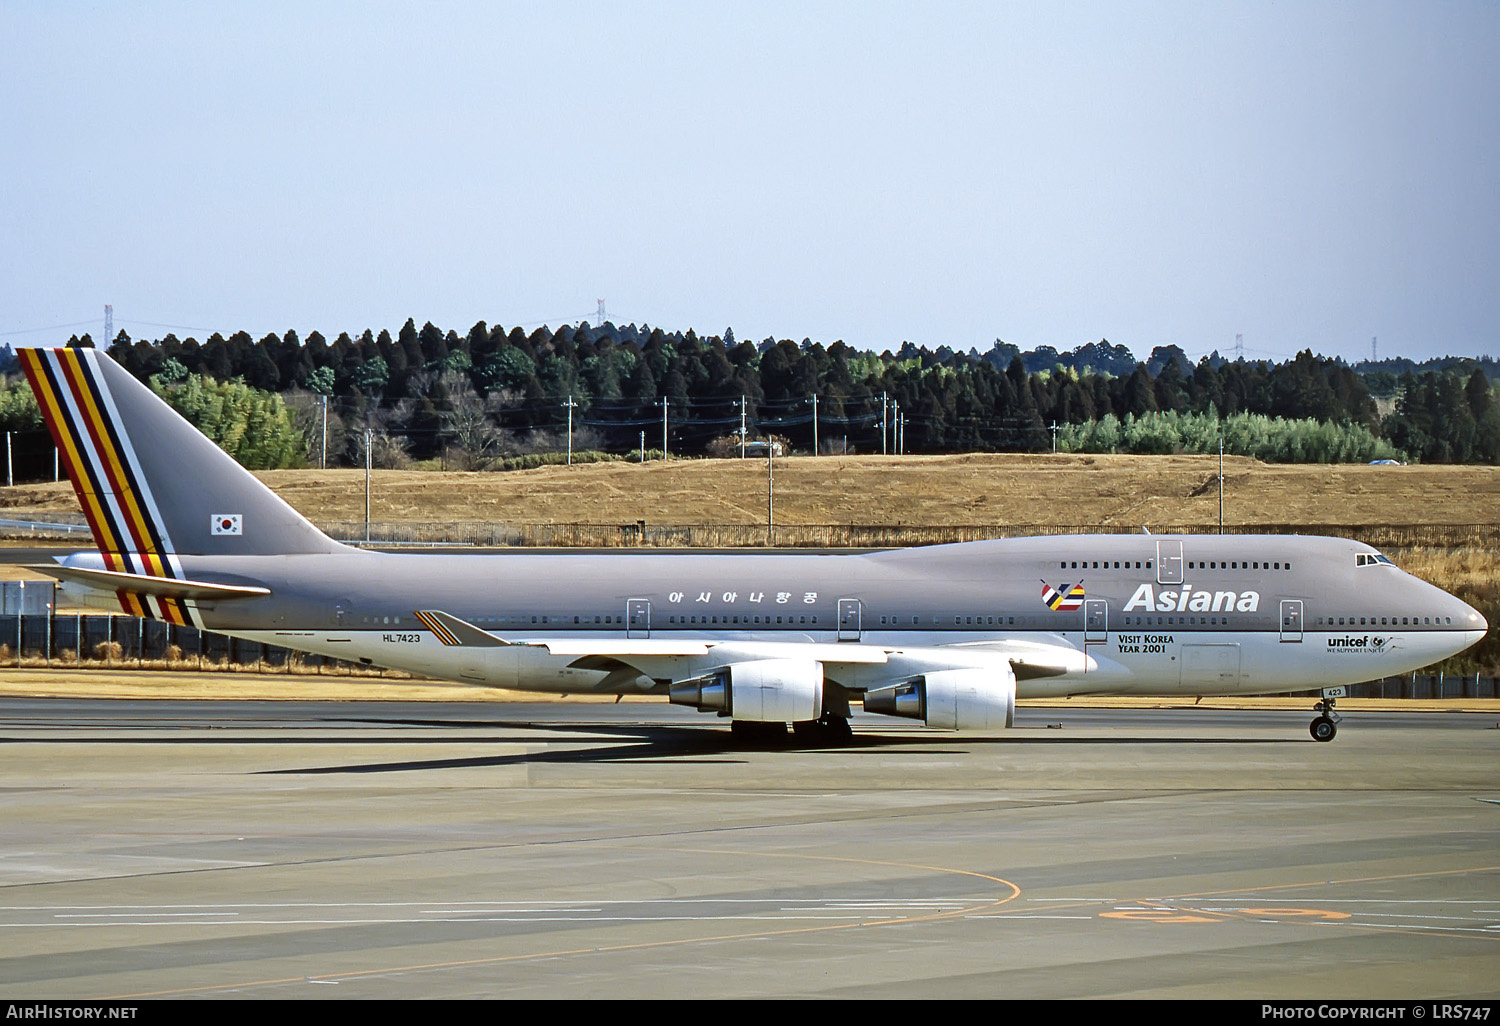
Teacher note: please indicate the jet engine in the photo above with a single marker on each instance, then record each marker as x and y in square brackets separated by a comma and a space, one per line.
[965, 699]
[769, 690]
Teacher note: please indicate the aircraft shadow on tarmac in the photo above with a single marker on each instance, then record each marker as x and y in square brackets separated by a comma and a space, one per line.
[705, 745]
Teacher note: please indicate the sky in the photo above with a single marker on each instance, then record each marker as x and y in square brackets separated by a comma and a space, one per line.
[1305, 175]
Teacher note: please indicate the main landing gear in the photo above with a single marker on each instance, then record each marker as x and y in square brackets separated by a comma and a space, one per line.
[1326, 725]
[830, 730]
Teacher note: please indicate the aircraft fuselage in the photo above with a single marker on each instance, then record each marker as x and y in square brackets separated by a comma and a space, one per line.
[1196, 614]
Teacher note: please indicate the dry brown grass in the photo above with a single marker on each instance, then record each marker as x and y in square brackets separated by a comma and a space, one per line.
[1124, 492]
[979, 491]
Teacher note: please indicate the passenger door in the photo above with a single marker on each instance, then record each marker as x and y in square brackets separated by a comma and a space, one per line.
[849, 619]
[1169, 562]
[638, 618]
[1291, 620]
[1095, 620]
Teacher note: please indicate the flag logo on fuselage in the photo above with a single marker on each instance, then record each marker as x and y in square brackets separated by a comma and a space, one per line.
[228, 523]
[1064, 599]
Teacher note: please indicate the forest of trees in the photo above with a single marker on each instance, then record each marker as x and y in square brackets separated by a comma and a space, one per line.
[478, 399]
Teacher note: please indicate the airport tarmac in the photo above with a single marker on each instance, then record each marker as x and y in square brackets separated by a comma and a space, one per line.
[154, 849]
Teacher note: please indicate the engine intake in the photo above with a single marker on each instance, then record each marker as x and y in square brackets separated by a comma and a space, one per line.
[965, 699]
[768, 690]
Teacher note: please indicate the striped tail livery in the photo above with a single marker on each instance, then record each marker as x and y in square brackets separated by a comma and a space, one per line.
[151, 486]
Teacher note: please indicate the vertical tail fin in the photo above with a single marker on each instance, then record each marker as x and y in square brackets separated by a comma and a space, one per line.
[151, 485]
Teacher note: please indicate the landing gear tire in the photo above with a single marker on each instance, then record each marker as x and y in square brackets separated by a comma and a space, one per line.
[830, 730]
[757, 732]
[836, 729]
[1327, 723]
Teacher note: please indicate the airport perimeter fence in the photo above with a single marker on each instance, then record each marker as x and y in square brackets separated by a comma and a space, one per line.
[641, 534]
[102, 641]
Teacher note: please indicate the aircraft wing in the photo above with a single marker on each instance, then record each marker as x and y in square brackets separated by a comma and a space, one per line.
[451, 630]
[730, 651]
[656, 657]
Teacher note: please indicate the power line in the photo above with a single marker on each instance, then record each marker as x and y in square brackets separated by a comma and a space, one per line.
[50, 327]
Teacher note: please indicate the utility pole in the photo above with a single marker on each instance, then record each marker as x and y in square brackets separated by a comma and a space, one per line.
[643, 446]
[1221, 484]
[570, 404]
[1054, 438]
[742, 427]
[882, 423]
[770, 491]
[323, 459]
[663, 403]
[815, 423]
[369, 444]
[9, 480]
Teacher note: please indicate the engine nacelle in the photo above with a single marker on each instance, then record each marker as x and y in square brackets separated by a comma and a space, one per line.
[769, 690]
[966, 699]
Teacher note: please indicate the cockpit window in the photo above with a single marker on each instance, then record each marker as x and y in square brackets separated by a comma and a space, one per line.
[1371, 559]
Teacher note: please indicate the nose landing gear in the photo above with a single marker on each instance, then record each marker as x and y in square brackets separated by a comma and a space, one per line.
[1326, 725]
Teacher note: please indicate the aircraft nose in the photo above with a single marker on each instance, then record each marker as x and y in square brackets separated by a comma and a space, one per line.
[1469, 619]
[1476, 619]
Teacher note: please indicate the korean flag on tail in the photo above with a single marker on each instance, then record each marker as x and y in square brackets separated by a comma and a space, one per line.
[228, 523]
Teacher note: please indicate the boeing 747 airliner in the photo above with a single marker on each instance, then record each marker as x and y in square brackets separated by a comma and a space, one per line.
[950, 635]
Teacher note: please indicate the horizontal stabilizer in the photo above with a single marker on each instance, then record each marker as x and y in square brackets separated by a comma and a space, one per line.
[143, 584]
[450, 630]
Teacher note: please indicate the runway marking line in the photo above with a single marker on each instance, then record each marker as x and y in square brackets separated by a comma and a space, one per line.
[1176, 910]
[967, 911]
